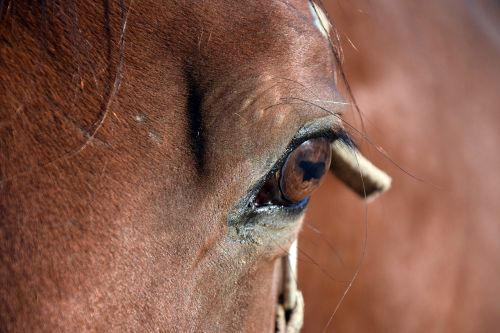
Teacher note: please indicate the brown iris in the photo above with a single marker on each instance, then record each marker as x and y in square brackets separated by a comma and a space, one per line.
[299, 176]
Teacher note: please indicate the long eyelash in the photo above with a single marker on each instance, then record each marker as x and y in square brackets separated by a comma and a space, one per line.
[362, 134]
[343, 136]
[327, 132]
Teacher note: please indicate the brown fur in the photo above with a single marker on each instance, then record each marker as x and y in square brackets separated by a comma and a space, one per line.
[107, 221]
[426, 74]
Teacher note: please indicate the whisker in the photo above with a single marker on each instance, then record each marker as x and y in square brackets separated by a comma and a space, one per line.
[307, 88]
[363, 253]
[335, 47]
[315, 263]
[124, 13]
[310, 260]
[351, 42]
[317, 100]
[366, 138]
[327, 242]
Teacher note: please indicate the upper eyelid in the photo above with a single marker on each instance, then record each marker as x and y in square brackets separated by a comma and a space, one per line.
[325, 127]
[299, 138]
[307, 132]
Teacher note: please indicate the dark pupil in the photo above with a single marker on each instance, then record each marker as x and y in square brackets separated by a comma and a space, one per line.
[299, 176]
[304, 169]
[312, 170]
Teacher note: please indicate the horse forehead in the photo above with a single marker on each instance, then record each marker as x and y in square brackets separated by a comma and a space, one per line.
[239, 47]
[238, 21]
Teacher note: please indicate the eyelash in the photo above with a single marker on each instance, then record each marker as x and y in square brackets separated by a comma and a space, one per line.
[276, 190]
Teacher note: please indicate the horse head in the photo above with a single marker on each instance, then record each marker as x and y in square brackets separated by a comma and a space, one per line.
[157, 159]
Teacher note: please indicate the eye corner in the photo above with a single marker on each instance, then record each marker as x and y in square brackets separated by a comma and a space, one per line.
[254, 216]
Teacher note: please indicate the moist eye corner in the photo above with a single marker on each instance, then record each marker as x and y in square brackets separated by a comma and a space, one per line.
[263, 223]
[327, 128]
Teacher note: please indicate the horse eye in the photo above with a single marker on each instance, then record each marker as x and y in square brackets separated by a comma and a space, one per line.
[299, 176]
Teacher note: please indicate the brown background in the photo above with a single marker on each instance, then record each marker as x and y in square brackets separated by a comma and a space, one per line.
[427, 78]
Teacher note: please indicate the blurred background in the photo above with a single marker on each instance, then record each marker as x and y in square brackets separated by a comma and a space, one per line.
[426, 75]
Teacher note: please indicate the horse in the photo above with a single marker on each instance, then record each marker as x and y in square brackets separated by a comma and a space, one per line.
[157, 158]
[426, 76]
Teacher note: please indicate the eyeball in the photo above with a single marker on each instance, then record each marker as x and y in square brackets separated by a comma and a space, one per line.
[301, 174]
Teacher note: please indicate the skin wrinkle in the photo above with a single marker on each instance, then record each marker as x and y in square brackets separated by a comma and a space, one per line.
[124, 235]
